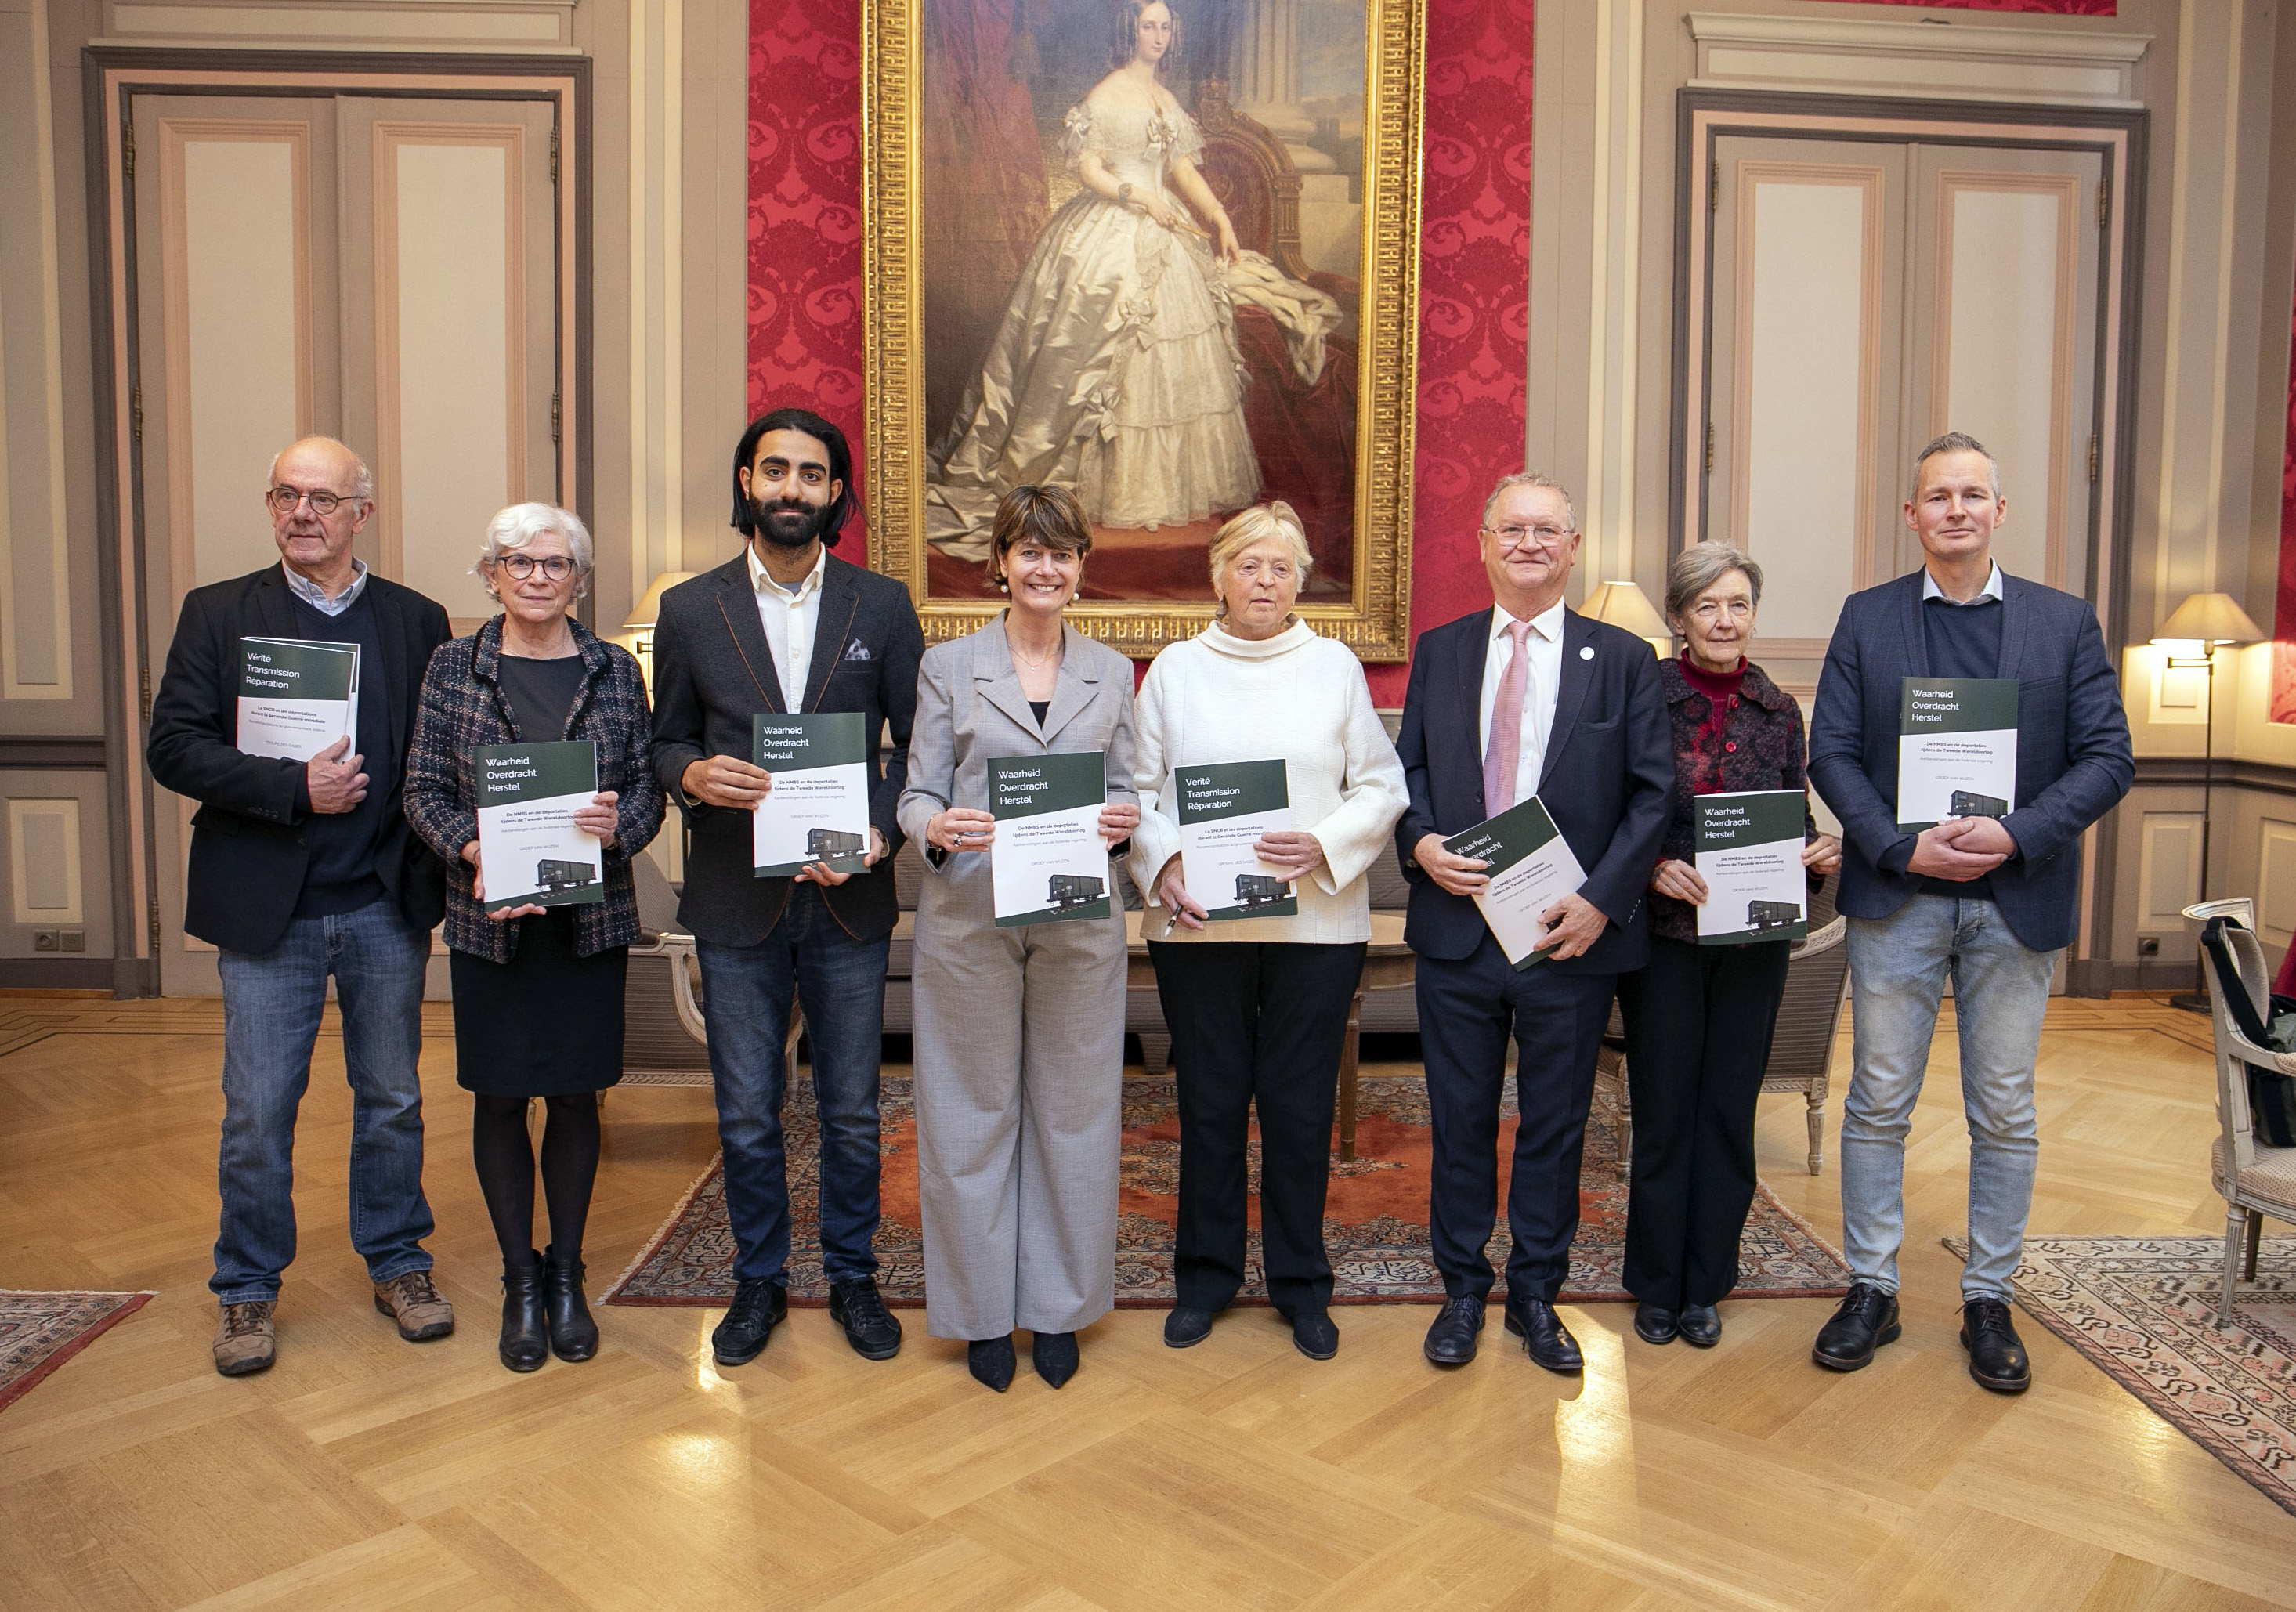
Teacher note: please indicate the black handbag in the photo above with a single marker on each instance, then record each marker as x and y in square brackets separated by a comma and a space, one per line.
[2271, 1095]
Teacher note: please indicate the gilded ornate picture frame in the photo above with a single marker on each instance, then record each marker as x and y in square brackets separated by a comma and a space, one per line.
[1171, 263]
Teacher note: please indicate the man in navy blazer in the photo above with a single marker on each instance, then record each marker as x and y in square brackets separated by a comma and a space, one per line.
[1988, 902]
[1591, 740]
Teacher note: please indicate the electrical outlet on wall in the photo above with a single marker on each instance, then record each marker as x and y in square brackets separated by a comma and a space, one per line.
[2148, 946]
[73, 940]
[47, 940]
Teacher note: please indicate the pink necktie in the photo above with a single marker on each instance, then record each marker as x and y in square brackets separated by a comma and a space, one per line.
[1501, 755]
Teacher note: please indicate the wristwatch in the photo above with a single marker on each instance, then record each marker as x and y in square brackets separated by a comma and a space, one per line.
[1124, 193]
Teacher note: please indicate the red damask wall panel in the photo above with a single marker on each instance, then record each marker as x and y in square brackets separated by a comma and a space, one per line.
[2284, 620]
[805, 216]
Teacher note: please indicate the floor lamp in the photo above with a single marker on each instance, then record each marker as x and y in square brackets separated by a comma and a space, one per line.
[2200, 626]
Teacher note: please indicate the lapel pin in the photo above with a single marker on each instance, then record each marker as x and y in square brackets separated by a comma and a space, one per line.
[1586, 651]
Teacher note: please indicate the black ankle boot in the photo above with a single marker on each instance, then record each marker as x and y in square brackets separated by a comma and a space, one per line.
[525, 1334]
[990, 1361]
[573, 1333]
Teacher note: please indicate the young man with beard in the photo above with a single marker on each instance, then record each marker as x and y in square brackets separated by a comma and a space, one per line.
[788, 626]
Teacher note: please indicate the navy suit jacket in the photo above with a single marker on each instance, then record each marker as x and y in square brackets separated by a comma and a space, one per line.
[2073, 760]
[713, 672]
[1608, 780]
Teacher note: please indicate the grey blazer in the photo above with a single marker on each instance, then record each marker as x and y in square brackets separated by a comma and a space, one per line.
[970, 708]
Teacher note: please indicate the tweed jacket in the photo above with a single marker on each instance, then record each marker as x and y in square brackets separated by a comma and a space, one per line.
[463, 707]
[1761, 746]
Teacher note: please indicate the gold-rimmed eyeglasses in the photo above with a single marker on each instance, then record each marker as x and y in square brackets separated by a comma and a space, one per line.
[1515, 536]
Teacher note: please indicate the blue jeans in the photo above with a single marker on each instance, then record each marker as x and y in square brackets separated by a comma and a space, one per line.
[271, 1001]
[746, 992]
[1898, 969]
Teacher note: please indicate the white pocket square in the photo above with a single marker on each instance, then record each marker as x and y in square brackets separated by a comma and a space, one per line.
[856, 650]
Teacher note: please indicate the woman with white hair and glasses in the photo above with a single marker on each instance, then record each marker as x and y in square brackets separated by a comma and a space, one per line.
[1257, 1007]
[538, 990]
[1699, 1018]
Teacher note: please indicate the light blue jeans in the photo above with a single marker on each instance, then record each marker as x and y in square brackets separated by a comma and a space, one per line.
[271, 1001]
[1898, 969]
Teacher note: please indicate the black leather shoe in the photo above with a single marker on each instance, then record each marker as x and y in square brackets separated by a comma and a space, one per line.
[1545, 1339]
[1654, 1325]
[1186, 1325]
[1997, 1359]
[1866, 1319]
[525, 1334]
[1055, 1357]
[573, 1331]
[1314, 1335]
[759, 1305]
[1451, 1337]
[1700, 1325]
[990, 1361]
[869, 1326]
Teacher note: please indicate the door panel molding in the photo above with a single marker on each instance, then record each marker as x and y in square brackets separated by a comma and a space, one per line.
[112, 79]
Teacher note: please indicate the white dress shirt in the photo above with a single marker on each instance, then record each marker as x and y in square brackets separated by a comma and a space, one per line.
[788, 616]
[1991, 590]
[1544, 645]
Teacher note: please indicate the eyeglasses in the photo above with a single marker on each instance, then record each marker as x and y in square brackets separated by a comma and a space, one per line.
[1706, 612]
[1515, 536]
[284, 499]
[555, 567]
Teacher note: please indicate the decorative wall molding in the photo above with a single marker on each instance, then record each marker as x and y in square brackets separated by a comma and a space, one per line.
[526, 26]
[1931, 58]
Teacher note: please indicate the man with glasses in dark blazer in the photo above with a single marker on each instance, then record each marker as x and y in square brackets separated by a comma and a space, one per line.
[786, 626]
[1525, 697]
[303, 870]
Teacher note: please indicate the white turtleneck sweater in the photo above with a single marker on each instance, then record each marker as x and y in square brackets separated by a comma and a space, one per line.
[1296, 697]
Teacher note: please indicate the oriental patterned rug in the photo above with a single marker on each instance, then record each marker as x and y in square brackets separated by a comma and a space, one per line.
[2144, 1311]
[1375, 1219]
[40, 1331]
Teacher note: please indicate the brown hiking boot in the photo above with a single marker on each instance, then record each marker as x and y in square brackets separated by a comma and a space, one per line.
[245, 1341]
[421, 1311]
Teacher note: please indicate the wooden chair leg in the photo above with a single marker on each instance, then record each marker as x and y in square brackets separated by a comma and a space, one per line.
[2255, 1235]
[1349, 1054]
[2236, 1233]
[1817, 1119]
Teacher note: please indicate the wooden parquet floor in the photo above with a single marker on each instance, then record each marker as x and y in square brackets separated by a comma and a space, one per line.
[363, 1472]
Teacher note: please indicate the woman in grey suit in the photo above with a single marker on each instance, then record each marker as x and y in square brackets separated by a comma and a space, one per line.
[1020, 1030]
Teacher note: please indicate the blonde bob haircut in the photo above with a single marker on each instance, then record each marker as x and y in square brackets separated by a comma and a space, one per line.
[1273, 518]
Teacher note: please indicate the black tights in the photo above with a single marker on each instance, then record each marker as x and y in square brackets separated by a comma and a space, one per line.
[505, 1161]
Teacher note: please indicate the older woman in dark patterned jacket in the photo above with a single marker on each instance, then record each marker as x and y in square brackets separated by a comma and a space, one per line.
[1699, 1018]
[538, 989]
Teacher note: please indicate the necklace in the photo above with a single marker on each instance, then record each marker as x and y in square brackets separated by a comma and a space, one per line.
[1034, 666]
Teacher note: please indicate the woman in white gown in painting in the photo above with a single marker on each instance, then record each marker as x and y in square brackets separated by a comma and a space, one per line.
[1116, 370]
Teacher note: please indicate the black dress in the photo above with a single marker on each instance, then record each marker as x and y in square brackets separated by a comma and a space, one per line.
[546, 1023]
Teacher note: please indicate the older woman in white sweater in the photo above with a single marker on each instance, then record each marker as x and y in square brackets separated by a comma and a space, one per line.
[1257, 1007]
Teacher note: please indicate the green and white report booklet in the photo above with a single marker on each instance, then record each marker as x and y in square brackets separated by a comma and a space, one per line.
[296, 696]
[818, 808]
[1048, 861]
[1531, 868]
[1748, 846]
[1956, 749]
[1222, 808]
[529, 850]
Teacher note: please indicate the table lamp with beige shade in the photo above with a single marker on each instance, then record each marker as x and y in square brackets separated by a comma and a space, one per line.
[1623, 605]
[2191, 637]
[638, 628]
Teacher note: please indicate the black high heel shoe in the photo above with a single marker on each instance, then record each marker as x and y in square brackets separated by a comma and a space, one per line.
[1056, 1356]
[990, 1361]
[525, 1342]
